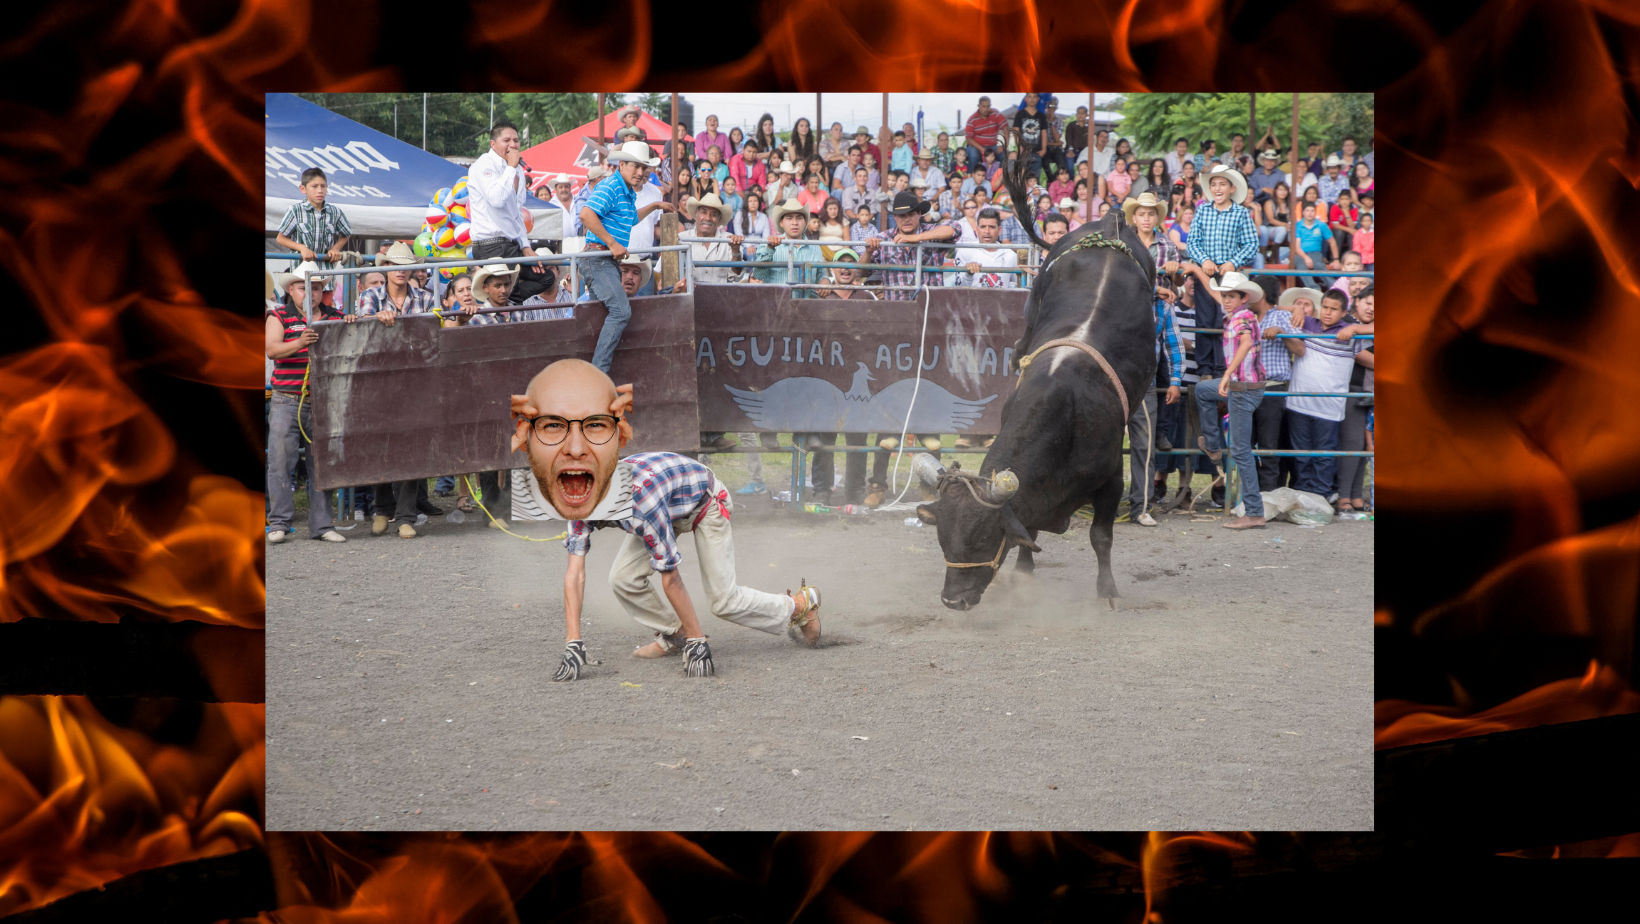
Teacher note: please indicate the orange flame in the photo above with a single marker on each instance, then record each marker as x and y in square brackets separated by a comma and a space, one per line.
[84, 801]
[1599, 692]
[1162, 853]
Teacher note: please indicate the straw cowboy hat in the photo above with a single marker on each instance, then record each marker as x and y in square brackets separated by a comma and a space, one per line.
[1290, 297]
[645, 271]
[1236, 282]
[493, 269]
[918, 182]
[634, 152]
[1269, 154]
[399, 254]
[1237, 194]
[1333, 160]
[1066, 203]
[926, 153]
[787, 168]
[907, 203]
[777, 212]
[286, 280]
[625, 132]
[597, 172]
[710, 200]
[1146, 200]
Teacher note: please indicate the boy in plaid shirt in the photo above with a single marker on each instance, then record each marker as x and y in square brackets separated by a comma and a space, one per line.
[312, 227]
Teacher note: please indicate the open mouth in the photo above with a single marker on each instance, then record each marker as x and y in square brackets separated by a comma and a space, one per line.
[575, 487]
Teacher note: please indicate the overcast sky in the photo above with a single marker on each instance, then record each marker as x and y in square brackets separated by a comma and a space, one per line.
[855, 109]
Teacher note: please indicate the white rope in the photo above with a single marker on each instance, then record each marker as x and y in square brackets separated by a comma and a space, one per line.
[921, 345]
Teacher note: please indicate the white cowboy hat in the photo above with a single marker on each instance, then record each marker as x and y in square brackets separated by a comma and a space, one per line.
[399, 254]
[1269, 154]
[628, 132]
[710, 200]
[777, 212]
[918, 181]
[645, 270]
[1066, 203]
[634, 152]
[925, 152]
[1333, 160]
[1236, 282]
[563, 179]
[597, 172]
[1145, 200]
[300, 274]
[493, 269]
[786, 167]
[1291, 296]
[1239, 193]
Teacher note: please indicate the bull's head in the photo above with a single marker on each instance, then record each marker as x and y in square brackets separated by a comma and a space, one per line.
[976, 525]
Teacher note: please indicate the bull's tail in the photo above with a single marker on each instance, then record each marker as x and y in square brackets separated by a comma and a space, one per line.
[1013, 176]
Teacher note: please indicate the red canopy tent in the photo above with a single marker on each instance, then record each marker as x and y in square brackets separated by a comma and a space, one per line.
[568, 153]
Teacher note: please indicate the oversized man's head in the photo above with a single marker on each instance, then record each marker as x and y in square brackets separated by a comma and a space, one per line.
[574, 441]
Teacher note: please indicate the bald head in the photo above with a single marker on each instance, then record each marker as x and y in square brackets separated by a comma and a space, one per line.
[572, 389]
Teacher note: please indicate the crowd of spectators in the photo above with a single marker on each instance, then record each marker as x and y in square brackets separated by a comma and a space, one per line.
[1212, 217]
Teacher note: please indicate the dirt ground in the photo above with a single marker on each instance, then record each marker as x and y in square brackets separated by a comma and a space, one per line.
[409, 686]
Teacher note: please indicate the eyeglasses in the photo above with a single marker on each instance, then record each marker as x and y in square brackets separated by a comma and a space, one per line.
[598, 429]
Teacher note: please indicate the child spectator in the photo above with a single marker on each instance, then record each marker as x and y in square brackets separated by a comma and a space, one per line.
[313, 227]
[901, 156]
[1364, 240]
[1242, 386]
[1342, 216]
[1313, 240]
[1324, 365]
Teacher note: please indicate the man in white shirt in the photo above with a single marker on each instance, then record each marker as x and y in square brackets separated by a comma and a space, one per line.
[710, 217]
[928, 173]
[981, 264]
[562, 198]
[1176, 158]
[1099, 154]
[499, 184]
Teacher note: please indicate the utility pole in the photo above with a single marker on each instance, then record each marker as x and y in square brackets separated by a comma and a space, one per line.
[600, 118]
[395, 120]
[492, 110]
[1292, 183]
[884, 142]
[424, 121]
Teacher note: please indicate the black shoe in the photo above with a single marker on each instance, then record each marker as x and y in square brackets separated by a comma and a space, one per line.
[823, 498]
[1162, 444]
[430, 509]
[1217, 500]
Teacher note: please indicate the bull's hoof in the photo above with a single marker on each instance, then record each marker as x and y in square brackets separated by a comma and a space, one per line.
[1112, 602]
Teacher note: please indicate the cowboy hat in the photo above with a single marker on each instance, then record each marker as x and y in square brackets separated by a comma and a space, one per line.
[563, 179]
[907, 203]
[269, 280]
[918, 181]
[634, 152]
[1239, 183]
[862, 130]
[1236, 282]
[777, 212]
[300, 274]
[1146, 200]
[709, 200]
[1269, 154]
[399, 254]
[1291, 296]
[597, 172]
[786, 167]
[1066, 203]
[493, 269]
[628, 132]
[926, 152]
[1333, 160]
[645, 271]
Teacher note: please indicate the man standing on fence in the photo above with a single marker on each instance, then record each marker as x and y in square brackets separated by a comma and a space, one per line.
[1223, 237]
[499, 186]
[608, 218]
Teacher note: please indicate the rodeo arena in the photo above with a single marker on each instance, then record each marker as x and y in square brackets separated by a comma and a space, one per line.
[552, 363]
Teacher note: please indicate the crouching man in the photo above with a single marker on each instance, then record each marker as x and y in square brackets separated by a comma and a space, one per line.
[571, 419]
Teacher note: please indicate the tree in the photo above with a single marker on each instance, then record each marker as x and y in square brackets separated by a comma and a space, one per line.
[1348, 114]
[1153, 120]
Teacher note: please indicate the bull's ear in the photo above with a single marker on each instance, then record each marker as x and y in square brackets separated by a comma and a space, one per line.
[925, 513]
[1016, 529]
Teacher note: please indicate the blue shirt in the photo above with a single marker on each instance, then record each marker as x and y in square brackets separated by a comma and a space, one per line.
[616, 205]
[1312, 237]
[1227, 236]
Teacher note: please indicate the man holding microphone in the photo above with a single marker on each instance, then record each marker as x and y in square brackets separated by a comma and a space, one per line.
[500, 184]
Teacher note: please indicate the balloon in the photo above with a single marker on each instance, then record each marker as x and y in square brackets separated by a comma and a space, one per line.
[434, 216]
[529, 221]
[445, 198]
[458, 213]
[423, 243]
[463, 234]
[459, 191]
[445, 238]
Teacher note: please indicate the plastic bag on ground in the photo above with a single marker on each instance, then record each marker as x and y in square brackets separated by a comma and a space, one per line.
[1300, 507]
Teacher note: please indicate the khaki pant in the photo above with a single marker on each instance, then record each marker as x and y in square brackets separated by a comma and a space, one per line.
[629, 576]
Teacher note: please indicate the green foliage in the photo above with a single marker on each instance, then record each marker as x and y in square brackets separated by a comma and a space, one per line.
[458, 124]
[1153, 120]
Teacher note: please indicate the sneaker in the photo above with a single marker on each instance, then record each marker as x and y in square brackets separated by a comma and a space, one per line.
[330, 535]
[277, 536]
[823, 498]
[753, 487]
[1145, 519]
[406, 531]
[805, 622]
[378, 525]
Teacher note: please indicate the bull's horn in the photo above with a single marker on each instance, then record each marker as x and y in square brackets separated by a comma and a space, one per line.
[1003, 485]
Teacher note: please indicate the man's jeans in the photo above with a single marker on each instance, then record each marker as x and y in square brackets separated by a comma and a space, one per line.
[397, 500]
[1243, 404]
[1141, 436]
[1206, 394]
[603, 281]
[284, 441]
[1267, 433]
[1267, 235]
[976, 157]
[1315, 473]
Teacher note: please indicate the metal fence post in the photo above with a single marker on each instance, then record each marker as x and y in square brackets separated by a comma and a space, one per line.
[574, 278]
[916, 279]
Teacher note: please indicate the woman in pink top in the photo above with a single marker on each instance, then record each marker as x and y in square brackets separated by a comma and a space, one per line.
[1117, 181]
[812, 196]
[746, 170]
[1062, 187]
[711, 136]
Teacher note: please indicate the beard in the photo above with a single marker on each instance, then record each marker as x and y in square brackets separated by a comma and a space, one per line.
[573, 494]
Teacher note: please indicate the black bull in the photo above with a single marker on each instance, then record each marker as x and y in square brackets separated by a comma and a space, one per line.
[1062, 427]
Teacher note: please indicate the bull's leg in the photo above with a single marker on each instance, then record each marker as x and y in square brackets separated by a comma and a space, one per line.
[1026, 562]
[1105, 500]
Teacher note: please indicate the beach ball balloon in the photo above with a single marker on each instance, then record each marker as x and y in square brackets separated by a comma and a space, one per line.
[529, 221]
[463, 234]
[422, 244]
[459, 191]
[458, 213]
[444, 238]
[434, 216]
[445, 198]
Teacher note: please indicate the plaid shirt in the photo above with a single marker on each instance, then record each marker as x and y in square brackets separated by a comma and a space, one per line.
[1278, 363]
[1329, 188]
[317, 230]
[906, 254]
[1223, 237]
[1167, 334]
[944, 159]
[665, 487]
[1243, 322]
[374, 299]
[1012, 231]
[1162, 251]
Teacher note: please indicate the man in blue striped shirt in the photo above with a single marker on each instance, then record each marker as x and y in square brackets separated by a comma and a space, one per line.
[1223, 237]
[608, 217]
